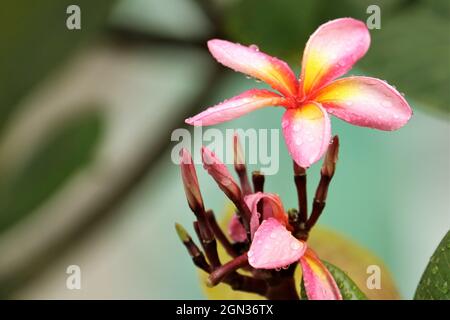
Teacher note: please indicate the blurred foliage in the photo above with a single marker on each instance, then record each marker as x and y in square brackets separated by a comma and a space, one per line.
[411, 50]
[68, 148]
[34, 40]
[331, 246]
[434, 282]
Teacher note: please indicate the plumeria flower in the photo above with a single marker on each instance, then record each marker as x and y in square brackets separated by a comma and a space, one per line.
[274, 247]
[330, 52]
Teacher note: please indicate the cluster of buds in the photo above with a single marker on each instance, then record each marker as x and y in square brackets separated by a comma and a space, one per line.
[262, 239]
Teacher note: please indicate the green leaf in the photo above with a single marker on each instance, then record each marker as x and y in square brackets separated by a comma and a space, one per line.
[434, 284]
[348, 288]
[67, 150]
[34, 40]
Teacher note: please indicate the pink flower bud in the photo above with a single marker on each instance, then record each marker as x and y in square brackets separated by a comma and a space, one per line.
[190, 181]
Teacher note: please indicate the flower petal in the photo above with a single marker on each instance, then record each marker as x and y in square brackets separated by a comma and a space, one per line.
[237, 106]
[274, 246]
[365, 101]
[331, 51]
[236, 230]
[251, 61]
[318, 281]
[220, 174]
[271, 207]
[307, 132]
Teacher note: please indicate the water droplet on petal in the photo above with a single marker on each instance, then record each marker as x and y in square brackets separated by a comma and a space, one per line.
[298, 141]
[295, 245]
[254, 47]
[296, 127]
[273, 235]
[278, 269]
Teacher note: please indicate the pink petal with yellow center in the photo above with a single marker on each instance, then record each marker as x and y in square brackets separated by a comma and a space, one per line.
[237, 106]
[274, 246]
[365, 101]
[251, 61]
[331, 51]
[236, 230]
[307, 132]
[318, 281]
[272, 207]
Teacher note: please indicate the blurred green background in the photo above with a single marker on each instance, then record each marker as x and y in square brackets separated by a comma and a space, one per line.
[86, 116]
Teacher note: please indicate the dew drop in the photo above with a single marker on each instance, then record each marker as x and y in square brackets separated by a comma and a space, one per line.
[296, 127]
[254, 47]
[295, 245]
[286, 267]
[278, 269]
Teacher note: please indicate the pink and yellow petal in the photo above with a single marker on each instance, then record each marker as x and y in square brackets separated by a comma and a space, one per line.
[331, 52]
[365, 101]
[251, 61]
[272, 207]
[238, 106]
[273, 246]
[317, 280]
[307, 132]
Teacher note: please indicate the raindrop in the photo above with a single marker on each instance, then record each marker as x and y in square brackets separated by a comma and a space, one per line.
[285, 267]
[295, 245]
[278, 269]
[296, 127]
[248, 77]
[254, 47]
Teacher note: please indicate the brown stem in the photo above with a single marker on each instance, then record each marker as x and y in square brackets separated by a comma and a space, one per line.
[247, 284]
[222, 272]
[319, 202]
[209, 246]
[283, 290]
[219, 234]
[258, 181]
[196, 254]
[300, 184]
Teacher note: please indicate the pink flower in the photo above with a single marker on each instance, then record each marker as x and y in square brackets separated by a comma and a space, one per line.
[273, 246]
[329, 53]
